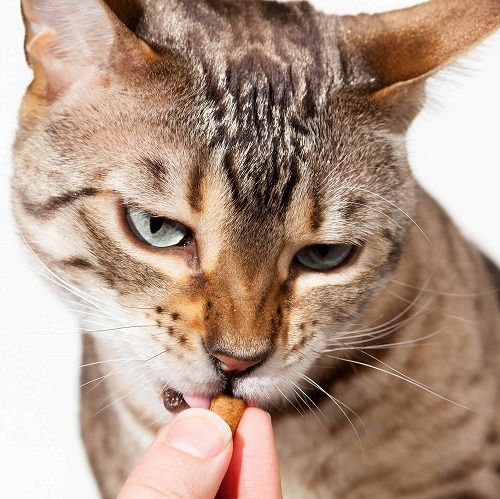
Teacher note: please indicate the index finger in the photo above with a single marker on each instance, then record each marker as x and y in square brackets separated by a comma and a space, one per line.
[253, 472]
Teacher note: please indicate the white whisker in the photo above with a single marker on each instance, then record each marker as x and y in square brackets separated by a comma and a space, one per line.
[308, 400]
[107, 362]
[290, 402]
[397, 374]
[147, 382]
[339, 405]
[392, 204]
[446, 293]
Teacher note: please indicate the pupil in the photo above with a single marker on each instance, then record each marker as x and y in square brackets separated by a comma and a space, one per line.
[323, 250]
[155, 224]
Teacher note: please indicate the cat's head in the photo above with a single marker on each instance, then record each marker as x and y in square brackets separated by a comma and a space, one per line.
[222, 184]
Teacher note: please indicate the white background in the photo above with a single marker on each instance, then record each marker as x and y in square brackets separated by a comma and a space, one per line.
[455, 153]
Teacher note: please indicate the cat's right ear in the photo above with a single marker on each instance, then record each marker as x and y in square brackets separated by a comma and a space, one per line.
[68, 41]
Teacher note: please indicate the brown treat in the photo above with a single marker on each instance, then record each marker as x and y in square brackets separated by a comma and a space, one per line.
[230, 409]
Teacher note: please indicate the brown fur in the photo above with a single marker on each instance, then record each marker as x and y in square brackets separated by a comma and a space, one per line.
[264, 128]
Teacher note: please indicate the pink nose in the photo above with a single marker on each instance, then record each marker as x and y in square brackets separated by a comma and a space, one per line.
[230, 364]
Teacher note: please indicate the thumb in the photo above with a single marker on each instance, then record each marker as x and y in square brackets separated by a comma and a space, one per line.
[188, 459]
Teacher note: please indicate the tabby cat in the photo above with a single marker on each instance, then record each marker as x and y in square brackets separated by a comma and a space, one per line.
[223, 187]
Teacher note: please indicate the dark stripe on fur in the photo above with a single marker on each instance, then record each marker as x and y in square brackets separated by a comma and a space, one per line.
[195, 193]
[353, 207]
[76, 262]
[231, 175]
[117, 267]
[155, 168]
[395, 252]
[290, 184]
[53, 204]
[317, 217]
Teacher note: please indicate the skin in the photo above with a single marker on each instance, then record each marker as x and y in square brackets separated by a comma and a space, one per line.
[180, 464]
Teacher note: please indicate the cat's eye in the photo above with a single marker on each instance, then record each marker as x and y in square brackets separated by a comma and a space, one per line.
[159, 232]
[324, 256]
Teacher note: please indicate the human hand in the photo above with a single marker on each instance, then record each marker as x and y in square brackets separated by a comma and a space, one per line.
[194, 457]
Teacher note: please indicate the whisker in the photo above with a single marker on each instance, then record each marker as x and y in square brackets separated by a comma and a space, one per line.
[440, 312]
[387, 328]
[61, 283]
[92, 314]
[113, 372]
[300, 402]
[342, 161]
[392, 204]
[291, 403]
[118, 328]
[373, 331]
[411, 342]
[79, 304]
[156, 355]
[124, 396]
[108, 335]
[446, 293]
[106, 362]
[308, 400]
[336, 402]
[56, 279]
[378, 333]
[397, 374]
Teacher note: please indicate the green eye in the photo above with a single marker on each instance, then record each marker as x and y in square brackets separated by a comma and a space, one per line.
[324, 256]
[156, 231]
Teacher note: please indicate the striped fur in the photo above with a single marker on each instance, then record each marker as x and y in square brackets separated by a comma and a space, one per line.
[264, 128]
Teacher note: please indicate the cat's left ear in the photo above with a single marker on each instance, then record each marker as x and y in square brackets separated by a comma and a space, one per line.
[73, 40]
[394, 52]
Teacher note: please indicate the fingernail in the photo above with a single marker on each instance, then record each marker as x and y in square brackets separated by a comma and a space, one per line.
[199, 433]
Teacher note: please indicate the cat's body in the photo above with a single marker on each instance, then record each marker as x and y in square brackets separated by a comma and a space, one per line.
[276, 134]
[412, 444]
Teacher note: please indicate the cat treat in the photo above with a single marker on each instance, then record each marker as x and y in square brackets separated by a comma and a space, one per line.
[230, 409]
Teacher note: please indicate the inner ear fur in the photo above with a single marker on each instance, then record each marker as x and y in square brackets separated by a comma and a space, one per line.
[392, 53]
[73, 40]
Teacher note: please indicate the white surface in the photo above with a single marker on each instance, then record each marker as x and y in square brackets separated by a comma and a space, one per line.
[455, 152]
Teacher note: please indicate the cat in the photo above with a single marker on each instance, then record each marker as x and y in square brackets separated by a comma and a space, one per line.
[223, 187]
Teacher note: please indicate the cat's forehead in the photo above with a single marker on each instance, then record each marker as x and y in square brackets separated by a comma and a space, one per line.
[249, 50]
[270, 93]
[282, 29]
[301, 175]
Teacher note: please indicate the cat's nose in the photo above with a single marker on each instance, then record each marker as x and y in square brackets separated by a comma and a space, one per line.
[232, 365]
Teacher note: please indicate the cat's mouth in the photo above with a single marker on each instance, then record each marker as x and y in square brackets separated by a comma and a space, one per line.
[176, 402]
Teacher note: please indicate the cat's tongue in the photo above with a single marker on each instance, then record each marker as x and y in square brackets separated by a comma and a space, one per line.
[197, 401]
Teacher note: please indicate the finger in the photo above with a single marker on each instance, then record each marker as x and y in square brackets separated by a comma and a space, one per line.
[253, 472]
[187, 459]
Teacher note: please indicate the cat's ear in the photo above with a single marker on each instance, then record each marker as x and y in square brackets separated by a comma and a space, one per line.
[395, 51]
[71, 40]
